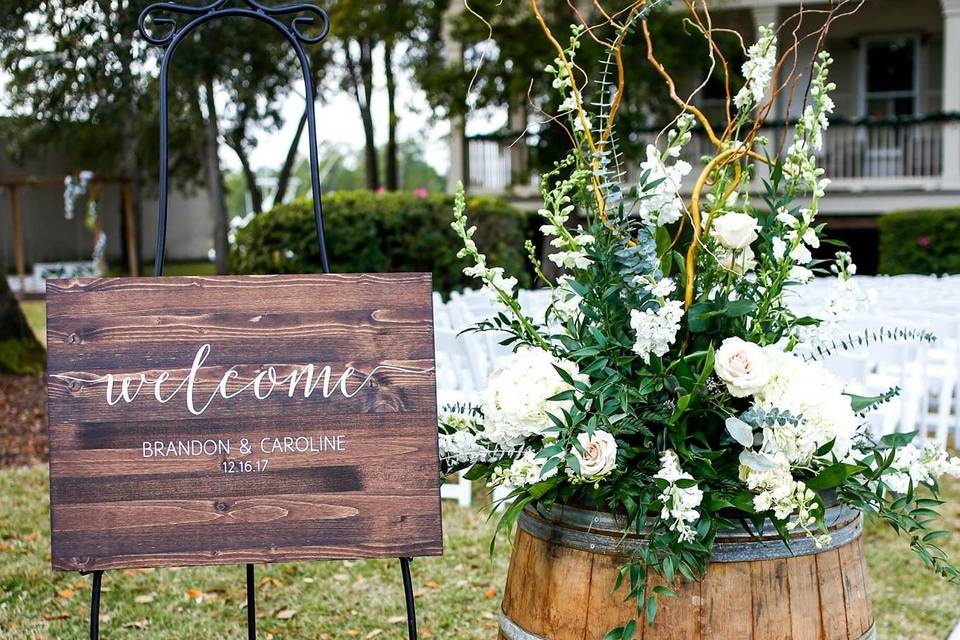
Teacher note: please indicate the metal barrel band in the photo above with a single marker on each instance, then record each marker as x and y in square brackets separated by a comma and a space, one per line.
[736, 551]
[835, 517]
[512, 631]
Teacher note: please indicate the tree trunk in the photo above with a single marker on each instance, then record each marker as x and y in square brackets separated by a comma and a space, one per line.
[249, 176]
[360, 73]
[20, 351]
[131, 167]
[286, 171]
[392, 161]
[215, 180]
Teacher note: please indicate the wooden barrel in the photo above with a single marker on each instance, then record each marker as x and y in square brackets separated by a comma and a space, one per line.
[565, 563]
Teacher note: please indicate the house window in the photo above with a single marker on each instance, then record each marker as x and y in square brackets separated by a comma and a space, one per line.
[890, 77]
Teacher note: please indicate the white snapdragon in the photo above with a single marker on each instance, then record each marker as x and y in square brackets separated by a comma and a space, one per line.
[662, 204]
[758, 69]
[598, 456]
[845, 299]
[679, 504]
[496, 286]
[656, 329]
[515, 401]
[566, 301]
[800, 159]
[524, 471]
[921, 466]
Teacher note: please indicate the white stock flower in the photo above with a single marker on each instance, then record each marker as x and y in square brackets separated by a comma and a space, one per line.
[462, 447]
[743, 366]
[599, 456]
[656, 330]
[524, 471]
[921, 466]
[735, 230]
[662, 204]
[757, 70]
[679, 504]
[515, 401]
[776, 490]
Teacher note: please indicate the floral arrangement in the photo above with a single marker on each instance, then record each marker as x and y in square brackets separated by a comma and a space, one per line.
[670, 381]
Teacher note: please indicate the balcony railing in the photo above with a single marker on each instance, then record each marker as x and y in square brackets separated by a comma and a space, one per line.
[860, 154]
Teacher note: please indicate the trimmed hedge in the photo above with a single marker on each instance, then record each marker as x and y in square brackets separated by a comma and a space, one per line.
[926, 242]
[369, 232]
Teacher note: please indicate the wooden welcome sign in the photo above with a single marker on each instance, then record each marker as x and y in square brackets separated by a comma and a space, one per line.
[230, 420]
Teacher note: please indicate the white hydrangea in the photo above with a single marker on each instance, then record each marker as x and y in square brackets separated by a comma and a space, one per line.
[679, 504]
[656, 329]
[813, 395]
[758, 69]
[515, 401]
[920, 465]
[524, 471]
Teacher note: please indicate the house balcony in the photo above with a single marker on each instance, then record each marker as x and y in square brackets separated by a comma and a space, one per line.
[876, 162]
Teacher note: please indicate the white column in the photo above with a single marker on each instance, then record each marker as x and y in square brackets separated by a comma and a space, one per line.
[458, 170]
[951, 92]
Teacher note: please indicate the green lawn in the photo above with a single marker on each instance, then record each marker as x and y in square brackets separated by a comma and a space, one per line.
[36, 313]
[457, 595]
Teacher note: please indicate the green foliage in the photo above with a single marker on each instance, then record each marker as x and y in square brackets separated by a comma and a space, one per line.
[925, 241]
[369, 232]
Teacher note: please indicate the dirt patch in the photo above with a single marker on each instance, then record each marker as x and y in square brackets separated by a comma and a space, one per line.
[23, 420]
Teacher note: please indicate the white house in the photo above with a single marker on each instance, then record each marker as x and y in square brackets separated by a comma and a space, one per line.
[895, 142]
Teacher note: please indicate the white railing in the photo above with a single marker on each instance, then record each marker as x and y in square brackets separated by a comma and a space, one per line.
[863, 153]
[490, 165]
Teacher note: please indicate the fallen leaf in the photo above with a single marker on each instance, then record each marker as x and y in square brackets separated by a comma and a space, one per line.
[139, 624]
[430, 584]
[66, 593]
[286, 614]
[373, 634]
[353, 632]
[194, 594]
[146, 598]
[396, 619]
[56, 616]
[490, 593]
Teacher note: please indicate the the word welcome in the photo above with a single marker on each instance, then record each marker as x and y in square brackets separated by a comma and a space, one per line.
[263, 384]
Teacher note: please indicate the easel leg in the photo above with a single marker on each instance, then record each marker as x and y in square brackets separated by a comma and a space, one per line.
[408, 594]
[251, 604]
[95, 606]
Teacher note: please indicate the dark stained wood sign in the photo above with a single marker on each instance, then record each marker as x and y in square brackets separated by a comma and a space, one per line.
[235, 420]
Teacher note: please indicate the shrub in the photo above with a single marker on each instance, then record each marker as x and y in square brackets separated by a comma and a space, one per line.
[369, 232]
[926, 242]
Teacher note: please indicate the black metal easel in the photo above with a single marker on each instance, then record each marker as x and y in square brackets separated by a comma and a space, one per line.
[297, 15]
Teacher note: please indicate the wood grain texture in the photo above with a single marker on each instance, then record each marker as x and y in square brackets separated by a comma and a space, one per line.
[352, 474]
[559, 593]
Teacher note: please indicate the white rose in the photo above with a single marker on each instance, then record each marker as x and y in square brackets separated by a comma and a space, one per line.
[599, 455]
[743, 366]
[738, 262]
[515, 401]
[735, 230]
